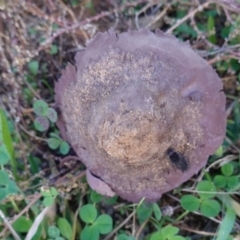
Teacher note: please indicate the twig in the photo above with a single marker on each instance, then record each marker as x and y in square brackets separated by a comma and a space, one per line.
[141, 11]
[86, 21]
[230, 107]
[31, 89]
[60, 181]
[8, 225]
[203, 233]
[232, 5]
[68, 158]
[31, 135]
[223, 49]
[228, 158]
[222, 58]
[232, 144]
[141, 228]
[134, 225]
[109, 236]
[189, 15]
[158, 17]
[37, 196]
[228, 16]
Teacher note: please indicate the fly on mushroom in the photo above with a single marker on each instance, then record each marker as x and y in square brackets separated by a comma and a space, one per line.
[178, 160]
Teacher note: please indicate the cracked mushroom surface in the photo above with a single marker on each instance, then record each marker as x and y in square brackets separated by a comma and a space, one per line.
[142, 111]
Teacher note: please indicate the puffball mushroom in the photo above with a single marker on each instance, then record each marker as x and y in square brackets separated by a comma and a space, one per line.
[142, 111]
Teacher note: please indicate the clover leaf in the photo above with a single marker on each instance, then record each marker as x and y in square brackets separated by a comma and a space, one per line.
[96, 225]
[7, 186]
[45, 115]
[207, 206]
[227, 179]
[166, 233]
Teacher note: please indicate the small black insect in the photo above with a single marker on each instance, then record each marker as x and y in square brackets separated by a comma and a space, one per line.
[178, 160]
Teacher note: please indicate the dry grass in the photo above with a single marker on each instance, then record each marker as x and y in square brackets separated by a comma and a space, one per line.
[33, 30]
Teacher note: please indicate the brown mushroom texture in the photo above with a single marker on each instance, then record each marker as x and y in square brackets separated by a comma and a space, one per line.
[142, 111]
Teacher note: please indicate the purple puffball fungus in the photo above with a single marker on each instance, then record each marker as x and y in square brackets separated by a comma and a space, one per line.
[142, 111]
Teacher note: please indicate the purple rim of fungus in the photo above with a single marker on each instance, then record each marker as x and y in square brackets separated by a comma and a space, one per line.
[143, 112]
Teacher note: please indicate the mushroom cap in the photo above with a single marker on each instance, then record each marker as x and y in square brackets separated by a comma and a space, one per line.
[142, 111]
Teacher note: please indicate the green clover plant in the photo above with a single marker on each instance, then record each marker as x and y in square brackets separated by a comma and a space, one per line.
[227, 179]
[45, 115]
[49, 195]
[205, 202]
[56, 142]
[54, 233]
[145, 211]
[95, 225]
[96, 198]
[166, 233]
[33, 67]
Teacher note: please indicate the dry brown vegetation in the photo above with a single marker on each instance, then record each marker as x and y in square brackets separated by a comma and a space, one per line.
[37, 39]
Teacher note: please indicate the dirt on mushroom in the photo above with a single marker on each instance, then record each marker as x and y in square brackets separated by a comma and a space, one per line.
[131, 98]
